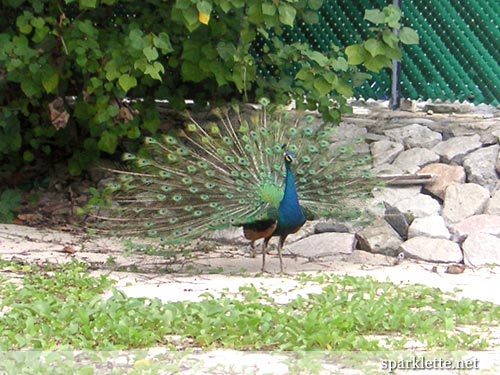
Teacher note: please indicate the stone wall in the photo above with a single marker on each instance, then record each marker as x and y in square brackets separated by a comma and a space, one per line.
[456, 217]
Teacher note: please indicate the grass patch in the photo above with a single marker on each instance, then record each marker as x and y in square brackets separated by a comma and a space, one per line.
[61, 307]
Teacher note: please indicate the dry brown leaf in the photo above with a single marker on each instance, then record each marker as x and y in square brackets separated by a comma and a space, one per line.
[58, 114]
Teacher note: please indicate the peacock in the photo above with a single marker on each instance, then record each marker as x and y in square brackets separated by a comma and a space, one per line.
[267, 170]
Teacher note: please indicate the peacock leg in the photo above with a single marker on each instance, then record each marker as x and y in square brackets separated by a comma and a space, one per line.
[264, 248]
[280, 247]
[253, 250]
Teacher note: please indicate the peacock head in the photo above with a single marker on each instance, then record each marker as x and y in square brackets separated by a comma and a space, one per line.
[289, 157]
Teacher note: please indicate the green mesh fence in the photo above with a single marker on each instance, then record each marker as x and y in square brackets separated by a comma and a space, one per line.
[458, 57]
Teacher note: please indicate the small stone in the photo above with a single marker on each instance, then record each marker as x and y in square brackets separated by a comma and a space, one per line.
[449, 107]
[330, 227]
[454, 149]
[464, 200]
[380, 238]
[385, 151]
[481, 249]
[430, 226]
[421, 205]
[493, 205]
[414, 136]
[445, 175]
[391, 195]
[455, 269]
[432, 249]
[323, 245]
[476, 224]
[408, 105]
[480, 166]
[412, 160]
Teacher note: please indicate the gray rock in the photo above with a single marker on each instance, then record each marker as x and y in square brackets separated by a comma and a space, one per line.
[444, 176]
[412, 160]
[476, 224]
[464, 200]
[430, 226]
[321, 246]
[330, 227]
[391, 195]
[373, 137]
[480, 167]
[432, 249]
[454, 149]
[414, 135]
[481, 249]
[421, 205]
[493, 205]
[372, 259]
[348, 132]
[449, 107]
[497, 163]
[386, 170]
[385, 151]
[380, 237]
[397, 220]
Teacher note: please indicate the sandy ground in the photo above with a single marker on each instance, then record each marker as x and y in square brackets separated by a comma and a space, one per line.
[226, 268]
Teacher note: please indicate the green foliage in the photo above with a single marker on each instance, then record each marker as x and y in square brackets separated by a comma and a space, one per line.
[63, 307]
[10, 201]
[66, 68]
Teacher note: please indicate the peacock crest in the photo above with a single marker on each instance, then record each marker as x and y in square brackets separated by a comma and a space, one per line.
[231, 172]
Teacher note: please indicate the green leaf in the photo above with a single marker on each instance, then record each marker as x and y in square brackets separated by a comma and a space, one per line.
[29, 88]
[28, 156]
[304, 75]
[375, 47]
[359, 78]
[310, 17]
[322, 86]
[192, 72]
[408, 36]
[392, 16]
[287, 14]
[112, 70]
[390, 39]
[154, 70]
[108, 142]
[314, 4]
[375, 64]
[127, 82]
[318, 57]
[356, 54]
[226, 51]
[162, 41]
[204, 7]
[340, 64]
[151, 53]
[268, 9]
[50, 80]
[375, 16]
[88, 4]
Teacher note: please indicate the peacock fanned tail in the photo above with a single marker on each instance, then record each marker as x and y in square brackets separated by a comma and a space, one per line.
[231, 173]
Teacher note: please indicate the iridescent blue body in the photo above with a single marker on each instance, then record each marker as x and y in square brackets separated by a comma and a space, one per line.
[290, 217]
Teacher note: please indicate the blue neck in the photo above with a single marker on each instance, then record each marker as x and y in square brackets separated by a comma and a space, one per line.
[290, 215]
[290, 196]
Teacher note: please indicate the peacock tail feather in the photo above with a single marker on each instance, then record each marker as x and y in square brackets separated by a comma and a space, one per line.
[231, 173]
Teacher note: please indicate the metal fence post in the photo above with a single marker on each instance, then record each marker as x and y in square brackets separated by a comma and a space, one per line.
[396, 74]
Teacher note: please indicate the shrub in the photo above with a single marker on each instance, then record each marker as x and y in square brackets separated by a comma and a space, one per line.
[67, 68]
